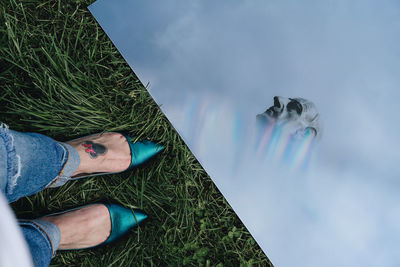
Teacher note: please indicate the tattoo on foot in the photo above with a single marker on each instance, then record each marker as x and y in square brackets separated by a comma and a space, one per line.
[94, 149]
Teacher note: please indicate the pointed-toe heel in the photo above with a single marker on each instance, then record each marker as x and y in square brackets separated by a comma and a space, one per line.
[122, 221]
[141, 151]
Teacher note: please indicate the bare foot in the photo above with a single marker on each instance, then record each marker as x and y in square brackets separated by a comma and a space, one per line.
[84, 227]
[108, 152]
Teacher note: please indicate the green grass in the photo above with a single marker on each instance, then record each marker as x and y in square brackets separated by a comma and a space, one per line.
[61, 76]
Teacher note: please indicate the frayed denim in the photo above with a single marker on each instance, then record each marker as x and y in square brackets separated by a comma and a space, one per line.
[30, 162]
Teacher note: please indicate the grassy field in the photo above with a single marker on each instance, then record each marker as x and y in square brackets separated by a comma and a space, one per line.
[60, 75]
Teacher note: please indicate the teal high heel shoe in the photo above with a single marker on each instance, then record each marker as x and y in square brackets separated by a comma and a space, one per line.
[141, 151]
[122, 220]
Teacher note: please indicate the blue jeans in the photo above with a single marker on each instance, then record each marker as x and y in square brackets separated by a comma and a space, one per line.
[29, 163]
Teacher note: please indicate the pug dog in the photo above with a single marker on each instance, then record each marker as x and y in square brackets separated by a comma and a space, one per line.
[298, 116]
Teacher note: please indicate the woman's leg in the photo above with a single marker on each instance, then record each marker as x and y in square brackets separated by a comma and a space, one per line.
[32, 162]
[80, 228]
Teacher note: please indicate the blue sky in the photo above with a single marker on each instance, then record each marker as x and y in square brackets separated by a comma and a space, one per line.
[213, 65]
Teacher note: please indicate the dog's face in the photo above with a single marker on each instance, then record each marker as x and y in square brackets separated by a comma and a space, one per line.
[296, 115]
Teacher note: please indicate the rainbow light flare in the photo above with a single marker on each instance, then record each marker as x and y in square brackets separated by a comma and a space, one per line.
[282, 148]
[210, 123]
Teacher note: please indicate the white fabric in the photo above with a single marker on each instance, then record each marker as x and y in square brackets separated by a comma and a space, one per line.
[14, 251]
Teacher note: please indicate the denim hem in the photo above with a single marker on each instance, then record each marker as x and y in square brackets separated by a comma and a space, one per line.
[52, 231]
[42, 232]
[70, 166]
[13, 160]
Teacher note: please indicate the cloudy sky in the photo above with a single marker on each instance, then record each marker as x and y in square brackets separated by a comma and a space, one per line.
[213, 65]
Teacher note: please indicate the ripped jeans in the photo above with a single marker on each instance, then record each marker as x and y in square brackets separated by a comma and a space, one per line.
[29, 163]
